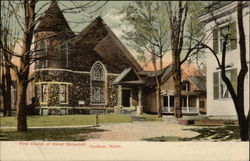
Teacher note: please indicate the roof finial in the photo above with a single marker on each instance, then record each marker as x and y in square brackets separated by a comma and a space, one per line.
[99, 18]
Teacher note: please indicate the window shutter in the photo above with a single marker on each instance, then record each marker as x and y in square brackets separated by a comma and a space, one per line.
[216, 85]
[234, 79]
[233, 32]
[215, 40]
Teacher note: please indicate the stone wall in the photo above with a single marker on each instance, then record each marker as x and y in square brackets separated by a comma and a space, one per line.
[112, 91]
[78, 85]
[81, 90]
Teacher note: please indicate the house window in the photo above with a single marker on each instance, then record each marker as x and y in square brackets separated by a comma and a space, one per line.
[63, 93]
[219, 87]
[44, 93]
[185, 85]
[171, 101]
[192, 101]
[224, 31]
[97, 84]
[201, 104]
[41, 62]
[165, 101]
[218, 37]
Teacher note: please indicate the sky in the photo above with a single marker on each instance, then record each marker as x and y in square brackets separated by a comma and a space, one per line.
[111, 17]
[109, 14]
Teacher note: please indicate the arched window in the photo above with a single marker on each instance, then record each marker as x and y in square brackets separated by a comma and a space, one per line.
[41, 62]
[64, 57]
[97, 84]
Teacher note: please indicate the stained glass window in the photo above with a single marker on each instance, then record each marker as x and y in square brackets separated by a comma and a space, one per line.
[97, 82]
[97, 73]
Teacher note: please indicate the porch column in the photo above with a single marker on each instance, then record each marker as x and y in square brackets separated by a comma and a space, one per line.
[168, 103]
[139, 96]
[187, 103]
[139, 107]
[119, 95]
[197, 105]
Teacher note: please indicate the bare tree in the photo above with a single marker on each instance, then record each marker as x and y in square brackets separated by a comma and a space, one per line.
[6, 26]
[236, 90]
[30, 15]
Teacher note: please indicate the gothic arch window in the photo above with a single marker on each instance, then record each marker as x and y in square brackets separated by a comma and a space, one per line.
[98, 83]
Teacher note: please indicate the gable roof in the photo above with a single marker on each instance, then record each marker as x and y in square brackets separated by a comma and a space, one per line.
[198, 81]
[166, 73]
[122, 75]
[128, 76]
[98, 36]
[54, 20]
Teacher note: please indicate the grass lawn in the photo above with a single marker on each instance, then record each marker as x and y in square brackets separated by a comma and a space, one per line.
[150, 117]
[66, 120]
[217, 133]
[69, 134]
[146, 117]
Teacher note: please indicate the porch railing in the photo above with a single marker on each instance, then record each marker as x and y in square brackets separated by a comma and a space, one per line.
[184, 109]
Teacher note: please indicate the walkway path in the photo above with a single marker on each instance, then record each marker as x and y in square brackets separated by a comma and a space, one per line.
[138, 130]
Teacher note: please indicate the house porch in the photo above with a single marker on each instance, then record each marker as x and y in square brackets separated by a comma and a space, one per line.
[189, 104]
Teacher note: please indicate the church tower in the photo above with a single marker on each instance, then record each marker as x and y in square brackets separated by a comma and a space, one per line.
[53, 78]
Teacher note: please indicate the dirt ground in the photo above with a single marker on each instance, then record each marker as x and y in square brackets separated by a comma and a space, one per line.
[138, 130]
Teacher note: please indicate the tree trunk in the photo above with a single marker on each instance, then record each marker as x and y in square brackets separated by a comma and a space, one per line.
[238, 96]
[243, 120]
[158, 100]
[177, 85]
[8, 92]
[158, 86]
[177, 22]
[22, 82]
[4, 93]
[21, 104]
[244, 128]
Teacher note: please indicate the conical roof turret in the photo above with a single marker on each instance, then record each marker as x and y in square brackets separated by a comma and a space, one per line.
[54, 20]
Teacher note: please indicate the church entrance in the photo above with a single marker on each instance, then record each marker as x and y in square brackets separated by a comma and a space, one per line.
[126, 94]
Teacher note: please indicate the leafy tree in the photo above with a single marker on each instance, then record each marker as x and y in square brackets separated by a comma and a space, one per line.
[184, 26]
[165, 26]
[148, 35]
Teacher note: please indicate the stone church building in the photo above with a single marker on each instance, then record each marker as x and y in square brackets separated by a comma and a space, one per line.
[74, 73]
[91, 72]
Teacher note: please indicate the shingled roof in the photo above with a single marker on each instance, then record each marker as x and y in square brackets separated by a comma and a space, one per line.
[198, 81]
[99, 37]
[54, 20]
